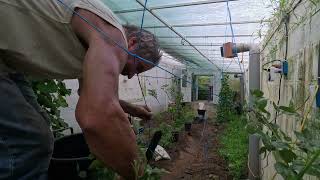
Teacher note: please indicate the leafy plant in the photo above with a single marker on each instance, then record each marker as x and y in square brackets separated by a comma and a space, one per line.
[175, 109]
[294, 157]
[188, 114]
[166, 138]
[99, 171]
[234, 141]
[51, 96]
[153, 93]
[225, 109]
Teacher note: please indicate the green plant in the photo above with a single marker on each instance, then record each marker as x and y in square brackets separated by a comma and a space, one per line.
[175, 109]
[234, 141]
[225, 109]
[173, 92]
[166, 138]
[153, 93]
[99, 172]
[188, 114]
[295, 156]
[51, 96]
[178, 124]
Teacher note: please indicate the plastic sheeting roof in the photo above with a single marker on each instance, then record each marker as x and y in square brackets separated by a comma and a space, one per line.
[192, 31]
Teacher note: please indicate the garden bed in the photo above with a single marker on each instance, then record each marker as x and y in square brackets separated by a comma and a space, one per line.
[195, 155]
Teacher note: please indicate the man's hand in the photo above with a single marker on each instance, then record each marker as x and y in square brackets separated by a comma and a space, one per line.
[142, 112]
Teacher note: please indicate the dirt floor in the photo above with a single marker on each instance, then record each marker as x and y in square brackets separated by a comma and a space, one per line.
[195, 156]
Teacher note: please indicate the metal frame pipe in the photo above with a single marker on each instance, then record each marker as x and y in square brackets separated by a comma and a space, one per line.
[211, 24]
[174, 6]
[208, 44]
[164, 48]
[172, 29]
[217, 36]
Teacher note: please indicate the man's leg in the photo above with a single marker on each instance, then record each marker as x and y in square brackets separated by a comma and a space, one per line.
[26, 142]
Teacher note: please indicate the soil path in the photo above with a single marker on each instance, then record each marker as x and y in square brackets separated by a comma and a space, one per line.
[195, 156]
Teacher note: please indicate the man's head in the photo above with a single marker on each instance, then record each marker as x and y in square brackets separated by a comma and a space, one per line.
[144, 44]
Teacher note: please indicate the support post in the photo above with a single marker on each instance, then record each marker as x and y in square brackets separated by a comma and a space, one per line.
[254, 160]
[242, 90]
[254, 141]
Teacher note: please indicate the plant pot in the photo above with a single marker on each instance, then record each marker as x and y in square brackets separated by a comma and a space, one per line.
[187, 127]
[70, 156]
[201, 112]
[175, 136]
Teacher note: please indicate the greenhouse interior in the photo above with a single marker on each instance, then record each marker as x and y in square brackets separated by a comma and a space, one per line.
[234, 95]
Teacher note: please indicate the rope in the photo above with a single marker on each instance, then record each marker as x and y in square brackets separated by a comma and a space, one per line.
[233, 37]
[142, 20]
[225, 41]
[145, 102]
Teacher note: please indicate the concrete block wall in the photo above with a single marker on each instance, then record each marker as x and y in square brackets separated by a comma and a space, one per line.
[303, 57]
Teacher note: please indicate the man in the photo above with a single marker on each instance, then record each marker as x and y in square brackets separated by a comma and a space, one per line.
[43, 39]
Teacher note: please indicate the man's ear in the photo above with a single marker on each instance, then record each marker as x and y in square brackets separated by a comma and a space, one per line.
[133, 43]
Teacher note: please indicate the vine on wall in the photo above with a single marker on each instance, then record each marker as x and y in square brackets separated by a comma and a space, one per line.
[295, 156]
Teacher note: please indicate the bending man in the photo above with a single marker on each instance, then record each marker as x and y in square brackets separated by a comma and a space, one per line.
[44, 39]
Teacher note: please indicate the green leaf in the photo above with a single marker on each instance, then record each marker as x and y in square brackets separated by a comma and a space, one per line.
[298, 165]
[251, 128]
[287, 109]
[275, 106]
[284, 170]
[287, 155]
[262, 104]
[95, 165]
[61, 101]
[274, 126]
[299, 136]
[280, 145]
[257, 93]
[307, 134]
[263, 151]
[314, 171]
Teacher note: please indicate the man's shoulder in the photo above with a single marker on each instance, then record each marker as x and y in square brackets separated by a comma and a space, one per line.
[97, 12]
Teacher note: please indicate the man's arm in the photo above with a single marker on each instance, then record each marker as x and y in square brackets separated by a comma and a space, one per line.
[99, 114]
[142, 112]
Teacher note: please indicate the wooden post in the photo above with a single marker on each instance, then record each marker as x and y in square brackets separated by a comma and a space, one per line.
[254, 157]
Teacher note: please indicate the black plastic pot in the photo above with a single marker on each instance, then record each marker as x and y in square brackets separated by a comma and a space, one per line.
[175, 136]
[187, 127]
[201, 112]
[70, 156]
